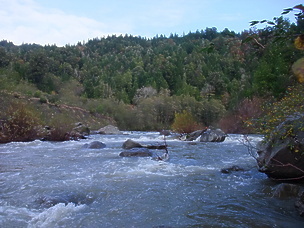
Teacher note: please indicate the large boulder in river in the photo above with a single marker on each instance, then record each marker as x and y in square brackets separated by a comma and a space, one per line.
[207, 135]
[194, 135]
[281, 156]
[212, 135]
[109, 130]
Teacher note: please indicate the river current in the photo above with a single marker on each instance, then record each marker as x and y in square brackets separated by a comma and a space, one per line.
[61, 184]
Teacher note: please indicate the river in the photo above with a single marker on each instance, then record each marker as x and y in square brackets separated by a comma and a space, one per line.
[61, 184]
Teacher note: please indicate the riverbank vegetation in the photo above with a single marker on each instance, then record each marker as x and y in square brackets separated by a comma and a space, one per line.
[240, 82]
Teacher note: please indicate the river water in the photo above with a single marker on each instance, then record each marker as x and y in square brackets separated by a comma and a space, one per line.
[61, 184]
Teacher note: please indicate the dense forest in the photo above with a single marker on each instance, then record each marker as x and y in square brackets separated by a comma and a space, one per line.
[216, 78]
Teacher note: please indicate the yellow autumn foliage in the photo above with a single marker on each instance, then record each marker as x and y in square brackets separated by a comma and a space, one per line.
[185, 123]
[298, 66]
[299, 42]
[298, 70]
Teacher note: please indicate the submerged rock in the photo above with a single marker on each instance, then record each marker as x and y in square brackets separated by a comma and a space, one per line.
[299, 204]
[162, 157]
[231, 169]
[285, 190]
[156, 147]
[75, 198]
[94, 145]
[291, 192]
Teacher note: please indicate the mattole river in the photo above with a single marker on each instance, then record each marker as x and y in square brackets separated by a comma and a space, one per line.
[61, 184]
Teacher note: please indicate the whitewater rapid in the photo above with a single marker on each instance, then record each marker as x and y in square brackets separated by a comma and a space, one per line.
[62, 184]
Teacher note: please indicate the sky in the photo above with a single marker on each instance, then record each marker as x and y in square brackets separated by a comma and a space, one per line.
[62, 22]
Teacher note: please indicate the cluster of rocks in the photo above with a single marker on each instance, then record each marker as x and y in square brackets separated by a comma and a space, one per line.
[134, 149]
[107, 130]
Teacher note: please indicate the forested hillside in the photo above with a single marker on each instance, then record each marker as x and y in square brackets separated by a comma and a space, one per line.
[220, 78]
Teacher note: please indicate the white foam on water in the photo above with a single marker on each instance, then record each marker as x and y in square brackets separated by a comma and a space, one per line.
[52, 216]
[11, 216]
[241, 139]
[147, 166]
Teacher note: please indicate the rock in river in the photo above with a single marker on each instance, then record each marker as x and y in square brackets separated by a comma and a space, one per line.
[281, 156]
[136, 152]
[231, 169]
[206, 135]
[94, 145]
[213, 135]
[129, 144]
[109, 130]
[66, 198]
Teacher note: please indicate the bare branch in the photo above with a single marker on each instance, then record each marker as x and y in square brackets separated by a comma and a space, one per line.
[288, 165]
[251, 149]
[261, 45]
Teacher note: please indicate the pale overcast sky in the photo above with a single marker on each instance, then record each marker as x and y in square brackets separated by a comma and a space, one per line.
[63, 22]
